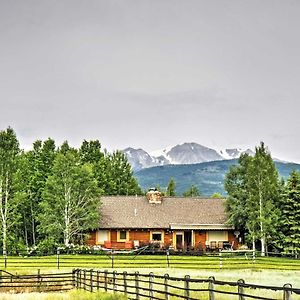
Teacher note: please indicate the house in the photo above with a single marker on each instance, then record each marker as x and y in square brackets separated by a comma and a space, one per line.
[179, 223]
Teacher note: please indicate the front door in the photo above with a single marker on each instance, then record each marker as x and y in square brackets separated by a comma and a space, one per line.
[187, 240]
[179, 241]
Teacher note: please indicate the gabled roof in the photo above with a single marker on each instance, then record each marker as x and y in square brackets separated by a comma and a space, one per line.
[186, 213]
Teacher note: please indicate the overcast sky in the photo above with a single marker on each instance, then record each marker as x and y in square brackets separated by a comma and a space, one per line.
[152, 73]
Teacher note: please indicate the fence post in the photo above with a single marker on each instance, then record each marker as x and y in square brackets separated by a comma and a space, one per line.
[39, 280]
[151, 279]
[112, 259]
[105, 280]
[114, 282]
[220, 257]
[253, 257]
[73, 277]
[0, 277]
[125, 282]
[241, 283]
[137, 290]
[168, 257]
[166, 282]
[98, 280]
[84, 280]
[211, 288]
[57, 257]
[91, 280]
[80, 278]
[187, 287]
[287, 293]
[77, 278]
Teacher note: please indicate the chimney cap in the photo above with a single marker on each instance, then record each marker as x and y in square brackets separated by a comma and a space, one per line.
[154, 196]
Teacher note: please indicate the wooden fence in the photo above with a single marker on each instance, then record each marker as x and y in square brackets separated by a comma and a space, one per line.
[149, 286]
[36, 282]
[143, 286]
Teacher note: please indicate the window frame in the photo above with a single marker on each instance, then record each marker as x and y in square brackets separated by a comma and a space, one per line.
[119, 239]
[161, 232]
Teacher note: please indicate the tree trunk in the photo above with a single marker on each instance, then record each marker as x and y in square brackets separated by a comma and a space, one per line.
[25, 230]
[4, 238]
[262, 234]
[253, 244]
[32, 224]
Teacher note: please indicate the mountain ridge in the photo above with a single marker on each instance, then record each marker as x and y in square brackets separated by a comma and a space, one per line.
[185, 153]
[208, 177]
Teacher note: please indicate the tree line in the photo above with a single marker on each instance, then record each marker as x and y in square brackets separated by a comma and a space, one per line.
[265, 208]
[51, 195]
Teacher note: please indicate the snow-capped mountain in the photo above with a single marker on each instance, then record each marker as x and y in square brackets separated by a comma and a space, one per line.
[234, 153]
[186, 153]
[140, 159]
[189, 153]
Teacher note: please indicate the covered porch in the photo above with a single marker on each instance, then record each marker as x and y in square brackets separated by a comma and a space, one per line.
[206, 237]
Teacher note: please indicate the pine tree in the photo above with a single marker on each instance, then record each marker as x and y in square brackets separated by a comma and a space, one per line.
[37, 167]
[120, 179]
[290, 217]
[191, 192]
[171, 188]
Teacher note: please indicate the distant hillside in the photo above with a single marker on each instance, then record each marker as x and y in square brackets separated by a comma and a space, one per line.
[207, 176]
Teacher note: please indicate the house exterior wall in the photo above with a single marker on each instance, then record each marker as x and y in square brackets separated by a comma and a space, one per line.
[199, 238]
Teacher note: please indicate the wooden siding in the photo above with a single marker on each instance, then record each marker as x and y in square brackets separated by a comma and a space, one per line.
[143, 236]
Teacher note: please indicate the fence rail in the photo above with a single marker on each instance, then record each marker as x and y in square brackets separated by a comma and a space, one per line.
[36, 282]
[101, 260]
[143, 286]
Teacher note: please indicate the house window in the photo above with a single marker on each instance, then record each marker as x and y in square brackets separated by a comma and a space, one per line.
[122, 236]
[218, 235]
[157, 236]
[102, 236]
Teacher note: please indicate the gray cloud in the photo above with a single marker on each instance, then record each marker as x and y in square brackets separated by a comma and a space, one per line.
[152, 73]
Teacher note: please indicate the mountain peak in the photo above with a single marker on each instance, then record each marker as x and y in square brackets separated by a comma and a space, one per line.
[185, 153]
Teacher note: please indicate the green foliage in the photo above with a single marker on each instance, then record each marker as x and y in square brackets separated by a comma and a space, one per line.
[290, 215]
[253, 189]
[191, 192]
[70, 201]
[9, 159]
[170, 192]
[216, 196]
[49, 195]
[119, 177]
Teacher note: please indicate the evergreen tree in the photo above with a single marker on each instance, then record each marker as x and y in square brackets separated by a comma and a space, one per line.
[290, 215]
[171, 188]
[236, 187]
[191, 192]
[120, 179]
[90, 152]
[37, 167]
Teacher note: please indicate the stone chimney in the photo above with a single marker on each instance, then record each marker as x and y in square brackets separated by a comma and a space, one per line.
[154, 196]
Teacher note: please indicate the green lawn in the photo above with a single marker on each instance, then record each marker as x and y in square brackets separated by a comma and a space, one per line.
[72, 295]
[148, 261]
[263, 271]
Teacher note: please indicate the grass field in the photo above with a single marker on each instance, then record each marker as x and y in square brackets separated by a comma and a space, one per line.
[72, 295]
[264, 271]
[149, 261]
